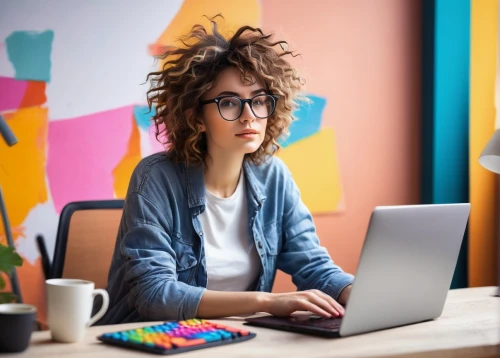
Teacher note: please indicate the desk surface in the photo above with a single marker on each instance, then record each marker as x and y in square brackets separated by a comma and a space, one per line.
[468, 327]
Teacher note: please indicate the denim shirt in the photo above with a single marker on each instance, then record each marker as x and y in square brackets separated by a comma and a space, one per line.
[158, 270]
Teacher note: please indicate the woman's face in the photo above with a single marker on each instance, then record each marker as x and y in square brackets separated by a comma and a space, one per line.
[243, 135]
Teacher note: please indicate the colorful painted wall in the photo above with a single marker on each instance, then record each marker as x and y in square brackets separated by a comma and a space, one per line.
[70, 88]
[364, 58]
[484, 222]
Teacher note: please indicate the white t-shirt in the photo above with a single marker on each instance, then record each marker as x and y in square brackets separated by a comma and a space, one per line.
[233, 263]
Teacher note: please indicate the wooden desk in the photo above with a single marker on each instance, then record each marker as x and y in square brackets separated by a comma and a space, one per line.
[468, 327]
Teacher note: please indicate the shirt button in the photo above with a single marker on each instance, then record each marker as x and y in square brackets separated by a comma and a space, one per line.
[259, 244]
[200, 233]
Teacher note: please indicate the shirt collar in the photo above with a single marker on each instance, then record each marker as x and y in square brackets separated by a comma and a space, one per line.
[255, 186]
[195, 185]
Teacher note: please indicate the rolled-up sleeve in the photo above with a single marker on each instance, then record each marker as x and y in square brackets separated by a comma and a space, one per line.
[150, 264]
[302, 257]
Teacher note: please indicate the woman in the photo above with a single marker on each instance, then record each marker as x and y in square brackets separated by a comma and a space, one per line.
[207, 223]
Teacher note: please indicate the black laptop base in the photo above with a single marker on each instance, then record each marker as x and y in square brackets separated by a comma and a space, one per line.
[311, 325]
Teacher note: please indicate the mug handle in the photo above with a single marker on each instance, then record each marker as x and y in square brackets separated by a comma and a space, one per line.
[104, 307]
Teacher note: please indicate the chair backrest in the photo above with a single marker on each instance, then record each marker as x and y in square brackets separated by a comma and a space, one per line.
[86, 239]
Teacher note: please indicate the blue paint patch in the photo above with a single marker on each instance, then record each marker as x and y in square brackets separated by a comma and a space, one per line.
[29, 52]
[445, 110]
[142, 116]
[308, 120]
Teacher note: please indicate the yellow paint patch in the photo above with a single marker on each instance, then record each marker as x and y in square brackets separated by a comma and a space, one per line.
[314, 166]
[124, 169]
[192, 12]
[22, 166]
[484, 213]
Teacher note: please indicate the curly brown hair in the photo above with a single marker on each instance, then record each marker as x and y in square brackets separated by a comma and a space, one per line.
[189, 71]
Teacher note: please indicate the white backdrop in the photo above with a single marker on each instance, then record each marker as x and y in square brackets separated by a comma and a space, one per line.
[115, 65]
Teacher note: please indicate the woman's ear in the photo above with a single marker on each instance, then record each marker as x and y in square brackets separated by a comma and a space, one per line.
[201, 126]
[199, 121]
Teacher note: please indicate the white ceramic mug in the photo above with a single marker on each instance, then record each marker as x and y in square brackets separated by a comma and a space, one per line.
[69, 306]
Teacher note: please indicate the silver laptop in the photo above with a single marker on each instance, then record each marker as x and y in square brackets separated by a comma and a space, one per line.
[404, 272]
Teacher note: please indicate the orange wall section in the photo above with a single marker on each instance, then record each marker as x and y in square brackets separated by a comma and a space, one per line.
[364, 57]
[483, 187]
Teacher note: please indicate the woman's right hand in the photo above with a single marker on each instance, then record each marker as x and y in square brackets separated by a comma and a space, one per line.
[315, 301]
[217, 304]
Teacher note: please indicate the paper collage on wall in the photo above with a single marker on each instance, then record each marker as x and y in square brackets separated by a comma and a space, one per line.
[74, 99]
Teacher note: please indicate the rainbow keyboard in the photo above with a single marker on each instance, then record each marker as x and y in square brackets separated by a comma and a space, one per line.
[177, 336]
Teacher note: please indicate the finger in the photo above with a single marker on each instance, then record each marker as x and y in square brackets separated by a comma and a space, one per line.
[327, 297]
[338, 308]
[324, 304]
[331, 300]
[311, 307]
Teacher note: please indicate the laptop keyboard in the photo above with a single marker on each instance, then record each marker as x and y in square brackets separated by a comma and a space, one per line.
[316, 321]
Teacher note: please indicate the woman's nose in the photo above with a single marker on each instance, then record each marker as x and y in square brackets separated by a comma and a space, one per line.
[247, 114]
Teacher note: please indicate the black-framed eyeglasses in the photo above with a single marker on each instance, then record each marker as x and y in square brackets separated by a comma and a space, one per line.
[231, 107]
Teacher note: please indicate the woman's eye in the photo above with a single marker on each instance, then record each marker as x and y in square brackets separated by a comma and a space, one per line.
[227, 104]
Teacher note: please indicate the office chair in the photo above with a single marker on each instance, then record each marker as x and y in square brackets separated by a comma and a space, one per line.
[85, 241]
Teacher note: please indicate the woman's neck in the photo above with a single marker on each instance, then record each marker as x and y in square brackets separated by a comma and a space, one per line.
[222, 174]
